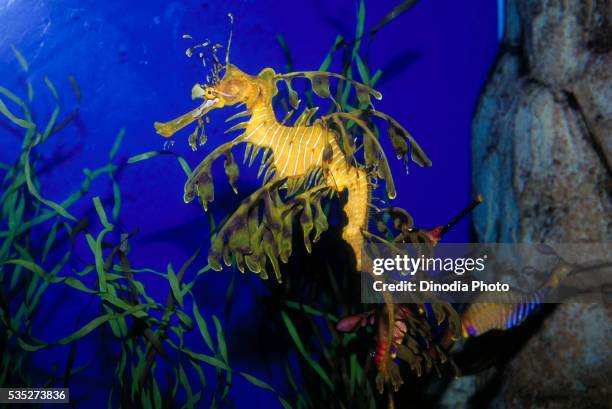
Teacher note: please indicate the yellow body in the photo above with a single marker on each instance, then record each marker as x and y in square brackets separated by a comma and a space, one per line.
[299, 149]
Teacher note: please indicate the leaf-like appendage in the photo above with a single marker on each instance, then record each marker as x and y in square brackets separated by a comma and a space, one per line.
[286, 236]
[293, 95]
[320, 219]
[272, 214]
[369, 154]
[398, 141]
[381, 226]
[420, 349]
[238, 240]
[255, 258]
[417, 155]
[385, 173]
[320, 85]
[251, 239]
[363, 95]
[302, 118]
[202, 139]
[190, 193]
[307, 223]
[395, 375]
[193, 139]
[231, 170]
[215, 252]
[239, 126]
[439, 313]
[201, 182]
[271, 250]
[396, 133]
[205, 188]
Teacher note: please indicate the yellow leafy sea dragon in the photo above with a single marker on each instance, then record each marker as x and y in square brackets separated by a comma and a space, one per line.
[310, 158]
[302, 163]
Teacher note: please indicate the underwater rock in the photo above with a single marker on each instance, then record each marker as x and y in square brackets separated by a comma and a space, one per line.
[555, 35]
[593, 94]
[541, 154]
[459, 393]
[565, 365]
[561, 185]
[542, 149]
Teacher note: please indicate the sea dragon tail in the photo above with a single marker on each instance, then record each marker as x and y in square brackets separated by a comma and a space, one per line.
[356, 210]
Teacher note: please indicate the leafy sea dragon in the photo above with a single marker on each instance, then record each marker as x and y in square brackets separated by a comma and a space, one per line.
[309, 158]
[303, 163]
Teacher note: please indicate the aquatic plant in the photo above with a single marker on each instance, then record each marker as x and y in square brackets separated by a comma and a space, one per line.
[154, 367]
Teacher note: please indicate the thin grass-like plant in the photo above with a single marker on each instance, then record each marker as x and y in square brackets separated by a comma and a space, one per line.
[37, 260]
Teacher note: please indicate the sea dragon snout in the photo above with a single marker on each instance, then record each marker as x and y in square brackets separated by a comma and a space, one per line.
[167, 129]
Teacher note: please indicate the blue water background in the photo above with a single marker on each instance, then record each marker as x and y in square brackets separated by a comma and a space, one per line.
[130, 62]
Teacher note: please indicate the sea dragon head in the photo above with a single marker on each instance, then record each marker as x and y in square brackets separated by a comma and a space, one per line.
[235, 87]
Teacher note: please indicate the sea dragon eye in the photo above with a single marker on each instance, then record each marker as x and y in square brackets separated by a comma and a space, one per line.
[209, 93]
